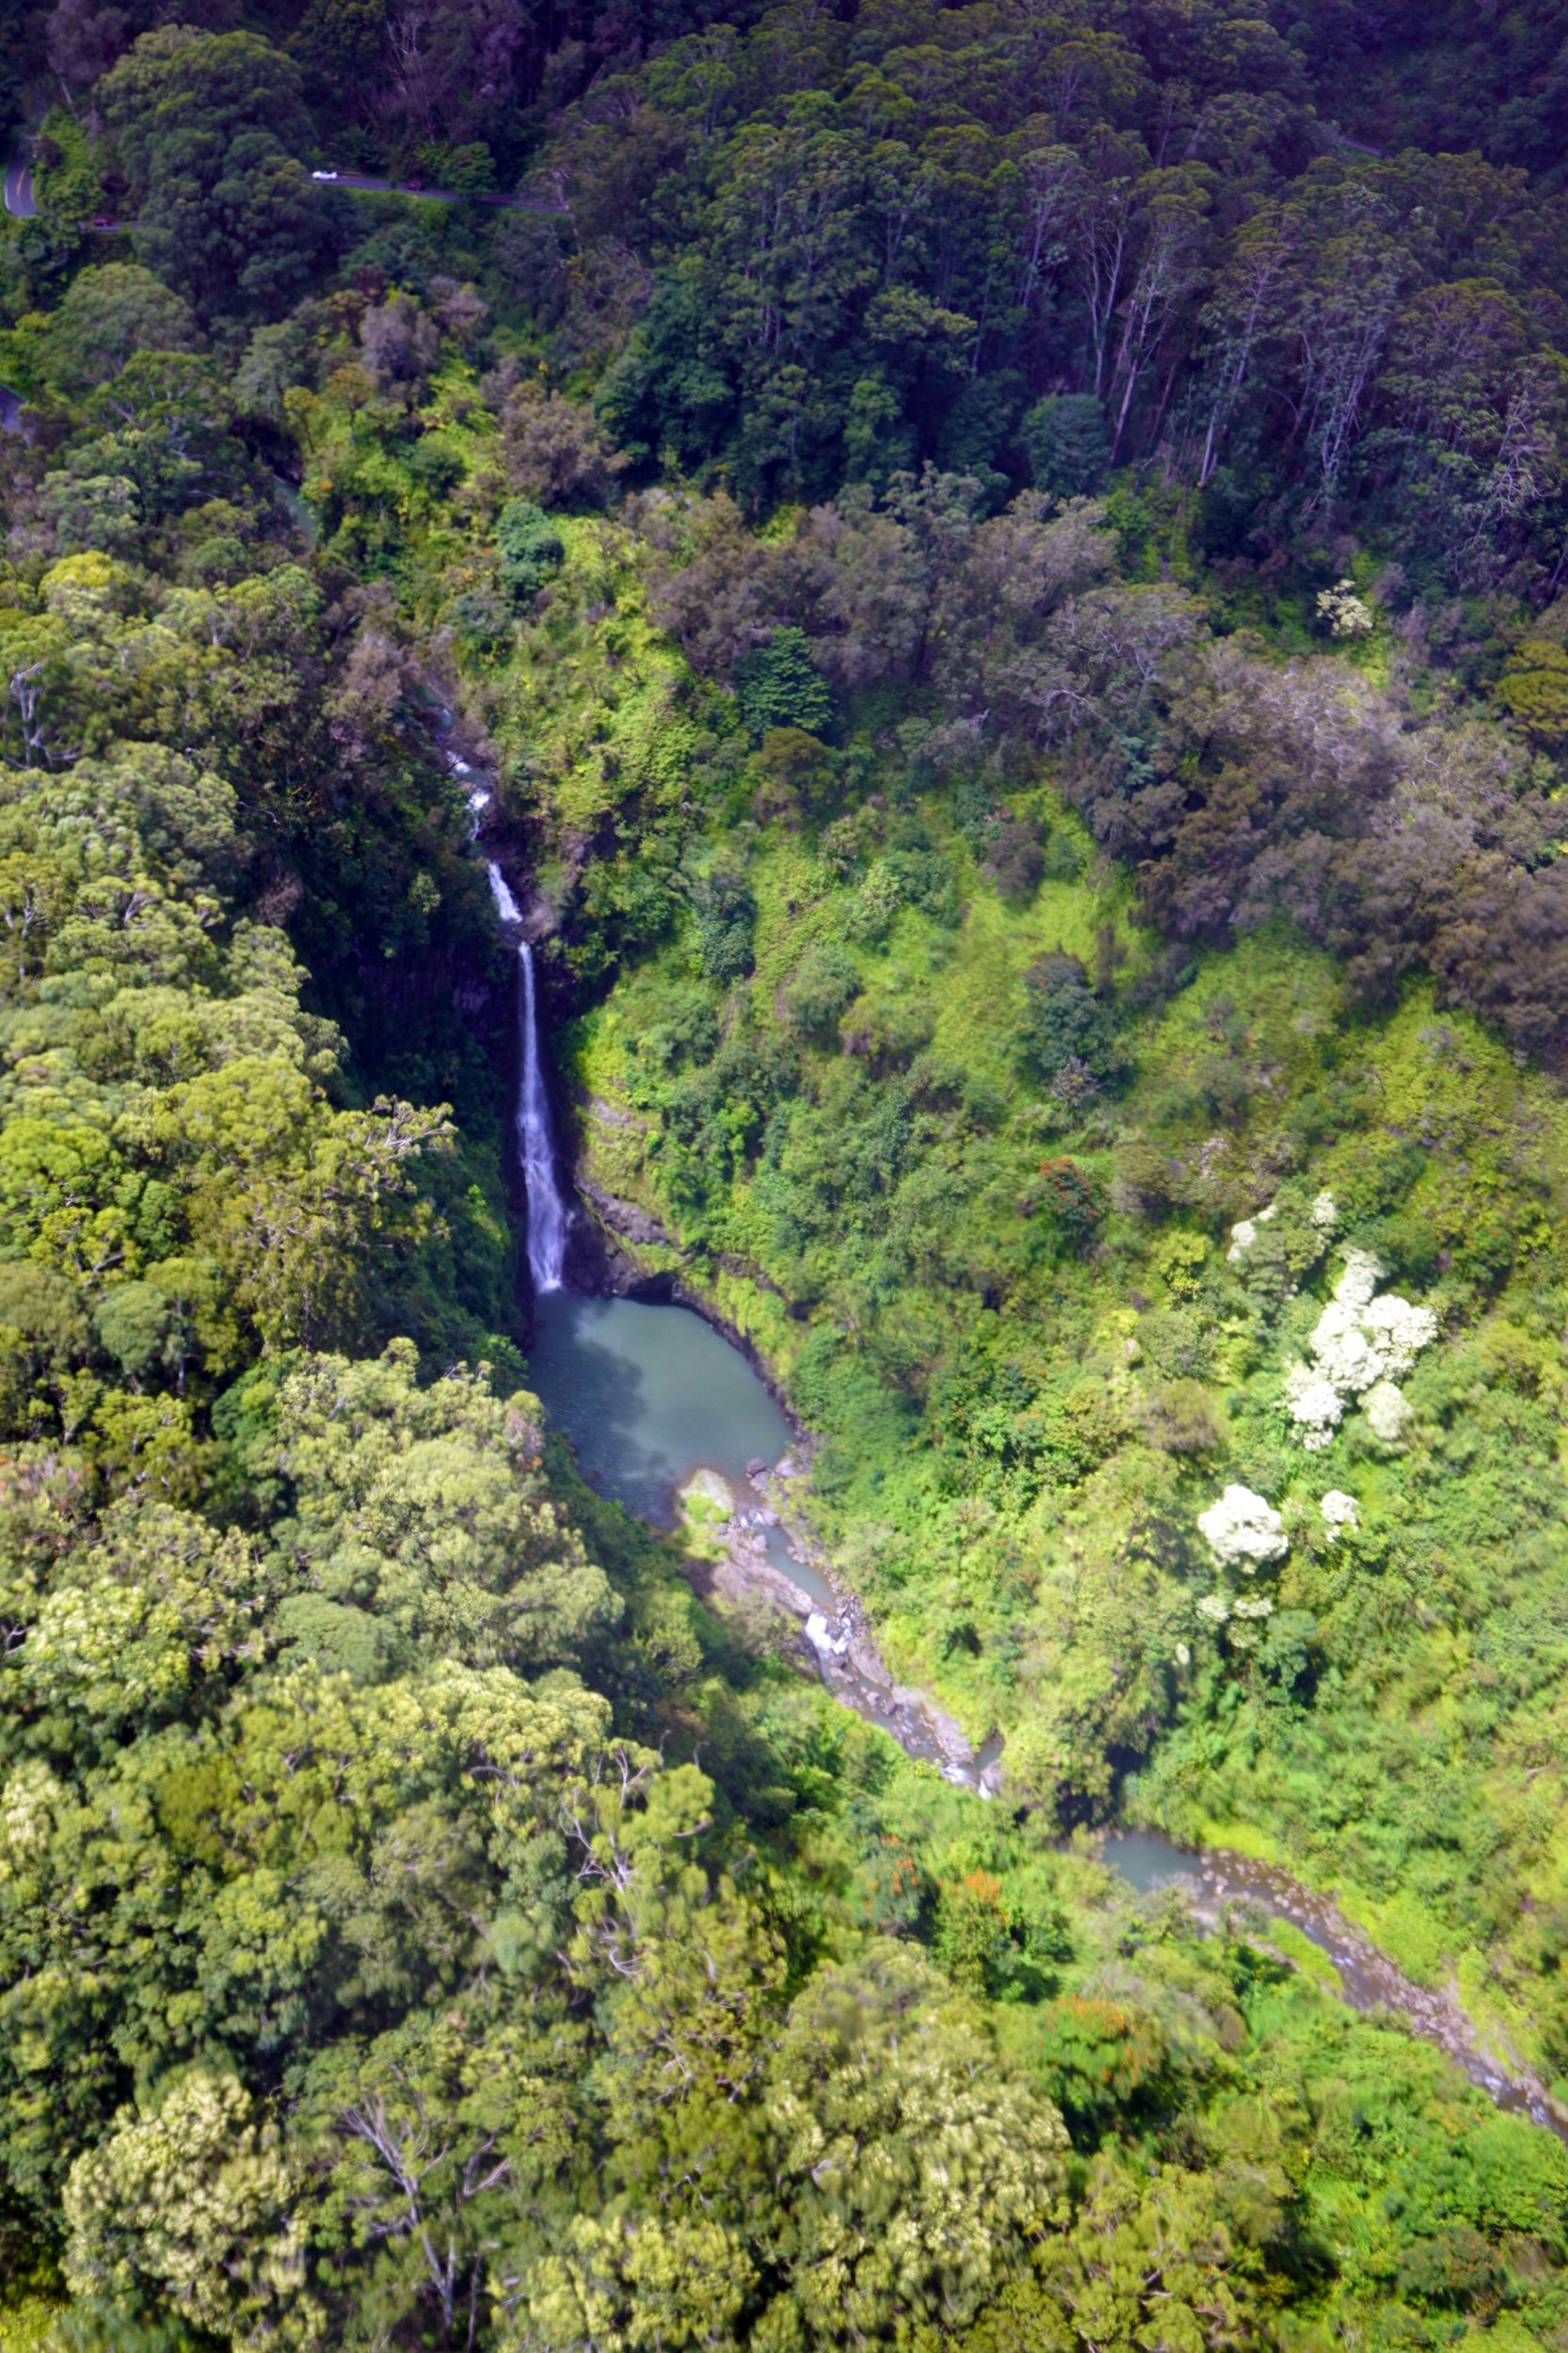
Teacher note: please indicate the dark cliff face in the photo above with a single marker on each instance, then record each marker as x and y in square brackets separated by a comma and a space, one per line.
[602, 1245]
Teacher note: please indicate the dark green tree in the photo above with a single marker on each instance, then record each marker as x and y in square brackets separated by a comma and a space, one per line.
[1065, 441]
[529, 548]
[725, 910]
[779, 686]
[1070, 1029]
[208, 128]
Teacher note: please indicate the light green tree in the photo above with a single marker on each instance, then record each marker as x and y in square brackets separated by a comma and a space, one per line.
[105, 315]
[188, 2207]
[427, 1506]
[445, 2149]
[912, 2172]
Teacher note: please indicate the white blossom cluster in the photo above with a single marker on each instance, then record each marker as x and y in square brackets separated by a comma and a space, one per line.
[1339, 1511]
[1387, 1412]
[1218, 1607]
[1242, 1530]
[1324, 1215]
[1244, 1232]
[1364, 1342]
[1314, 1405]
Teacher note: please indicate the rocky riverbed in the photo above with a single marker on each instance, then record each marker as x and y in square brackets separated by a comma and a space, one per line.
[1216, 1882]
[759, 1547]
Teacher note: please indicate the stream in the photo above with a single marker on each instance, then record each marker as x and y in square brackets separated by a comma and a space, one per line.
[1368, 1981]
[649, 1394]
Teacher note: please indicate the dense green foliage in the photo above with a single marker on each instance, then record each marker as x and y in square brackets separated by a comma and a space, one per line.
[1010, 582]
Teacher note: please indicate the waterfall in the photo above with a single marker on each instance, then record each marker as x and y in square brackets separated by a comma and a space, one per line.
[506, 905]
[547, 1212]
[547, 1215]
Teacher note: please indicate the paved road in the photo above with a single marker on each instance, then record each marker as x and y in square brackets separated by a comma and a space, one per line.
[19, 189]
[18, 193]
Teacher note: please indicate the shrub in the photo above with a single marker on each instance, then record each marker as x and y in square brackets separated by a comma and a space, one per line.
[480, 621]
[436, 466]
[779, 686]
[687, 1028]
[824, 981]
[797, 776]
[1093, 2055]
[889, 1889]
[725, 913]
[1075, 1200]
[922, 878]
[888, 1032]
[1454, 2266]
[554, 451]
[529, 547]
[1015, 858]
[1067, 1023]
[1178, 1419]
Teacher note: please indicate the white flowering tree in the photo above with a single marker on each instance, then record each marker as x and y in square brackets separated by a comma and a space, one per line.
[1340, 1512]
[1364, 1343]
[1243, 1532]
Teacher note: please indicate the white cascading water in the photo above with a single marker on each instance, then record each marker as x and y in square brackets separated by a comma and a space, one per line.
[506, 905]
[547, 1212]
